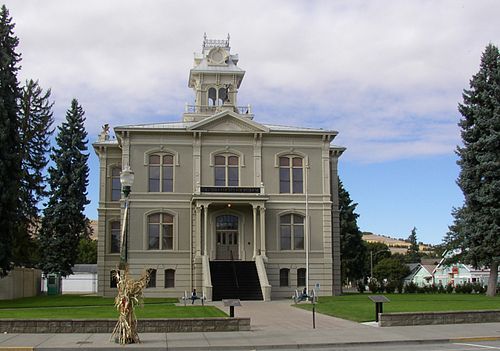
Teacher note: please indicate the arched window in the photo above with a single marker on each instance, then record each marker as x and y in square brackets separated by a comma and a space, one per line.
[301, 277]
[169, 278]
[116, 187]
[160, 231]
[115, 237]
[291, 174]
[161, 173]
[212, 97]
[292, 232]
[284, 277]
[226, 170]
[152, 278]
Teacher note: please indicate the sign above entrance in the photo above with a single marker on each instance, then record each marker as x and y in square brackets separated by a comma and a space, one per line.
[230, 189]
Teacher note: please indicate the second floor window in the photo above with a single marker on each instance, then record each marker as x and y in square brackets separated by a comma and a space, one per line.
[160, 231]
[291, 175]
[161, 173]
[226, 170]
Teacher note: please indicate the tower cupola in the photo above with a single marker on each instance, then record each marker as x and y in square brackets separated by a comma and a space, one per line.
[215, 79]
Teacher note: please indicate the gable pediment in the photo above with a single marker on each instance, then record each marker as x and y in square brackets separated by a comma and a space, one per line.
[228, 121]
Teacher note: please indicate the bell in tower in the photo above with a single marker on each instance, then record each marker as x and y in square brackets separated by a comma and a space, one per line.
[215, 79]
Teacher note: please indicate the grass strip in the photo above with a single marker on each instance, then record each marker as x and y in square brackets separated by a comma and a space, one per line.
[358, 308]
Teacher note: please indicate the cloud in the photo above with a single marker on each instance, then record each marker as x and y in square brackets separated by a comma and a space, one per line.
[387, 75]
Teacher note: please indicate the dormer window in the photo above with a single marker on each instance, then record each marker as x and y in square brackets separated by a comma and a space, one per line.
[226, 170]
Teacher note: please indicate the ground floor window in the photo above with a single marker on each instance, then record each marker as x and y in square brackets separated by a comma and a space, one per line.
[152, 278]
[284, 275]
[113, 281]
[301, 277]
[169, 278]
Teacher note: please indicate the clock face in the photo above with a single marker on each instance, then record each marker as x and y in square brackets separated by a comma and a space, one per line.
[217, 56]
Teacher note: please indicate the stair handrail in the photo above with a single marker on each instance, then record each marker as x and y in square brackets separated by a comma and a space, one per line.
[234, 270]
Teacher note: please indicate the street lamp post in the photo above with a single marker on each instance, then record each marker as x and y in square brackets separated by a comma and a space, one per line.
[126, 180]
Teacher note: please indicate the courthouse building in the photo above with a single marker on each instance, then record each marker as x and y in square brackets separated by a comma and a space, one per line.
[220, 202]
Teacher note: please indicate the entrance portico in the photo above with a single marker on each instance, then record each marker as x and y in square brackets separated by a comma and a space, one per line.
[230, 227]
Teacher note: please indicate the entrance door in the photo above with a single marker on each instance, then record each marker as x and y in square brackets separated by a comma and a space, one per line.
[226, 236]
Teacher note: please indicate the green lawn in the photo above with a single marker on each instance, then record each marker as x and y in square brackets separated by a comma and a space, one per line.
[89, 307]
[359, 308]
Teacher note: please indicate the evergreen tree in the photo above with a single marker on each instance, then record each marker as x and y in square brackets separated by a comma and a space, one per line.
[412, 254]
[64, 223]
[9, 139]
[478, 223]
[352, 249]
[35, 117]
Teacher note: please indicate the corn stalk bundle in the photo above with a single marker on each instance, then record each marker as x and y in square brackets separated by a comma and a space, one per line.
[130, 295]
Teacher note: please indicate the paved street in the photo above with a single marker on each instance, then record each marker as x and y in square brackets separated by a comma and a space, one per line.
[277, 325]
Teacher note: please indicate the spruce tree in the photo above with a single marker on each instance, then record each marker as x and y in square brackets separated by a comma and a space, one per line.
[412, 254]
[35, 117]
[9, 139]
[479, 161]
[352, 249]
[64, 222]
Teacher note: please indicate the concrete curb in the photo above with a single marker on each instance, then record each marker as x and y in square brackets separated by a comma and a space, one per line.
[260, 347]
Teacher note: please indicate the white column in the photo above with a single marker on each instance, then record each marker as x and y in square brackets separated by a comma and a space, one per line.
[262, 215]
[205, 227]
[254, 208]
[197, 214]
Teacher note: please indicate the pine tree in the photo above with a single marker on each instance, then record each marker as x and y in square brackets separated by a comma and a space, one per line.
[479, 161]
[353, 251]
[64, 222]
[9, 139]
[35, 117]
[412, 254]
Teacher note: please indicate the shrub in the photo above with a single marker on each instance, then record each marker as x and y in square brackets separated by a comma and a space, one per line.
[400, 287]
[411, 288]
[433, 288]
[361, 286]
[373, 286]
[441, 289]
[449, 289]
[391, 287]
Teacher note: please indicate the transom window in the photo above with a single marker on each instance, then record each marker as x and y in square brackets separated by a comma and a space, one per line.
[292, 232]
[226, 170]
[115, 237]
[115, 184]
[291, 174]
[160, 231]
[161, 173]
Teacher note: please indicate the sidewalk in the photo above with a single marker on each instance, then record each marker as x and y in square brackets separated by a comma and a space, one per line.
[275, 324]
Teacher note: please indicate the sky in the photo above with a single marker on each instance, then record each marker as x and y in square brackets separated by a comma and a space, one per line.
[387, 75]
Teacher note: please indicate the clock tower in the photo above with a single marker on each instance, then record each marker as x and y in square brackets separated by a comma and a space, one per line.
[215, 79]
